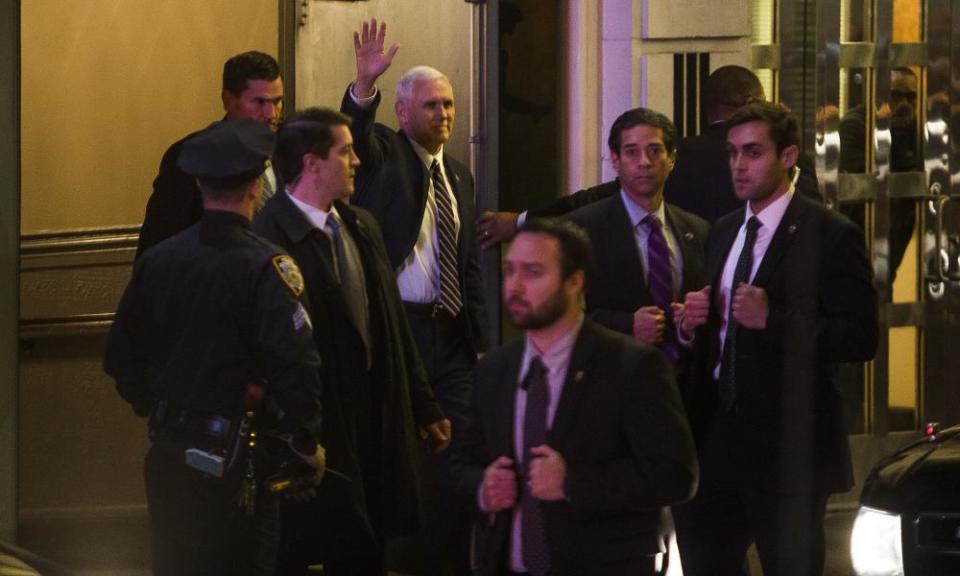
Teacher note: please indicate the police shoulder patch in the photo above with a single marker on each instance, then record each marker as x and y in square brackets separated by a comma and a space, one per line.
[289, 273]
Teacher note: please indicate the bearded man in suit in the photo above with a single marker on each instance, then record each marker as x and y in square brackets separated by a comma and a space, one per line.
[577, 438]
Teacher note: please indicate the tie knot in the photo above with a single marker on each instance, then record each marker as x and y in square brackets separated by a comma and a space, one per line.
[536, 372]
[435, 167]
[753, 224]
[332, 224]
[652, 221]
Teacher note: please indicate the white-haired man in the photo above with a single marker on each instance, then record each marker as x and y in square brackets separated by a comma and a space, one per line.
[424, 202]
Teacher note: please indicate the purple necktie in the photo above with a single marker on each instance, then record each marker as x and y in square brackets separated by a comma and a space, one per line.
[728, 366]
[660, 283]
[533, 538]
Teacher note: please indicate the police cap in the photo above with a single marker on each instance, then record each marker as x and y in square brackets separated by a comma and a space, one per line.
[227, 149]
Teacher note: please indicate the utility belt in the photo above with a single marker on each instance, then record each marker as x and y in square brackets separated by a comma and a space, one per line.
[218, 446]
[209, 443]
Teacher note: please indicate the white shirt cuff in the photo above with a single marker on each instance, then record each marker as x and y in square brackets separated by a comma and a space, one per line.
[363, 102]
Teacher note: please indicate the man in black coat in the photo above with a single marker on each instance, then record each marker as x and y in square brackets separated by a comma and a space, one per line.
[640, 273]
[577, 438]
[212, 319]
[252, 88]
[423, 200]
[792, 296]
[376, 391]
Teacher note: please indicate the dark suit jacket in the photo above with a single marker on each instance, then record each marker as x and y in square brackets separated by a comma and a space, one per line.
[700, 182]
[175, 203]
[399, 383]
[622, 431]
[823, 310]
[616, 288]
[392, 184]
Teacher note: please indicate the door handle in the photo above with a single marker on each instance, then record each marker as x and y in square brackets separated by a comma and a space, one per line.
[941, 252]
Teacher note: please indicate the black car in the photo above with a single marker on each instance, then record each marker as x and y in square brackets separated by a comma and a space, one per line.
[908, 523]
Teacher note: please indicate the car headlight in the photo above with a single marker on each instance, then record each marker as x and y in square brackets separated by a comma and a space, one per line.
[875, 545]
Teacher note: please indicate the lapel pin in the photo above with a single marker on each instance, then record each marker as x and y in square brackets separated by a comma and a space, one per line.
[578, 376]
[792, 228]
[688, 236]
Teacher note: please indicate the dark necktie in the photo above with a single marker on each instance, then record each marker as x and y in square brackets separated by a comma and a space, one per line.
[728, 366]
[660, 283]
[351, 284]
[447, 244]
[536, 555]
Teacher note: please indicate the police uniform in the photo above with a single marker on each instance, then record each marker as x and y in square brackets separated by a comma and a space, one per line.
[207, 313]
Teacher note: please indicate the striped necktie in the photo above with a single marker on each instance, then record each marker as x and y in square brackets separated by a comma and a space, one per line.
[660, 283]
[447, 244]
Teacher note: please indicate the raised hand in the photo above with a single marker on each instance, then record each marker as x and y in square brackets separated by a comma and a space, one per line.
[371, 60]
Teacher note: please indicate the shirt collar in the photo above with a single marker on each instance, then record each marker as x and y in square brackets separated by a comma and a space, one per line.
[637, 214]
[317, 216]
[426, 157]
[557, 354]
[771, 216]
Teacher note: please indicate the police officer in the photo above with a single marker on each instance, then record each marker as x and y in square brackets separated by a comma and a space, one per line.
[211, 317]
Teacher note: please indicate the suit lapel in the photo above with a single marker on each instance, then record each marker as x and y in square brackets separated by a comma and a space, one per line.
[456, 189]
[306, 236]
[506, 402]
[780, 242]
[718, 257]
[620, 236]
[687, 241]
[416, 165]
[578, 374]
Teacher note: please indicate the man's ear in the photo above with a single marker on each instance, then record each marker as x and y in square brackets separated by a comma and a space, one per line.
[255, 188]
[228, 100]
[400, 107]
[788, 158]
[309, 161]
[575, 282]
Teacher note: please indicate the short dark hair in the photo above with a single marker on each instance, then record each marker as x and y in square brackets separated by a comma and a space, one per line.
[307, 131]
[576, 252]
[784, 130]
[229, 189]
[732, 87]
[252, 65]
[642, 117]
